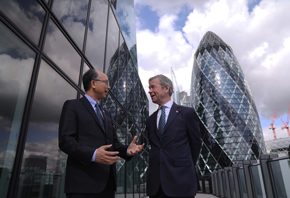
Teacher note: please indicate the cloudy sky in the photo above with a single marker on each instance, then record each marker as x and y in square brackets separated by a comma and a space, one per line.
[169, 31]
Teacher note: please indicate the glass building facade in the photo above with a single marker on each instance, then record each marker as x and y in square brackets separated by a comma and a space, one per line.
[45, 47]
[229, 120]
[278, 146]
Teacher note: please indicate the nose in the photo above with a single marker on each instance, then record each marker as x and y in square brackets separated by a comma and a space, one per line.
[109, 87]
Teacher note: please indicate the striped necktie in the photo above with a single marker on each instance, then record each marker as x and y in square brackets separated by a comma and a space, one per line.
[161, 123]
[99, 115]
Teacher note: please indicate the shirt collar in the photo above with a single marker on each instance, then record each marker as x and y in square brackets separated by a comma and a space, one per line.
[168, 104]
[91, 100]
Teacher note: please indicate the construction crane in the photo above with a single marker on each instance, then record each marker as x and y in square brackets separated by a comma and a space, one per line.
[272, 127]
[177, 99]
[286, 126]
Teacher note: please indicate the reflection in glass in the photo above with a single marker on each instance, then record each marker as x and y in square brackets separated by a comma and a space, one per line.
[112, 40]
[257, 181]
[112, 72]
[61, 52]
[16, 61]
[280, 175]
[242, 183]
[43, 164]
[96, 38]
[125, 14]
[73, 16]
[27, 15]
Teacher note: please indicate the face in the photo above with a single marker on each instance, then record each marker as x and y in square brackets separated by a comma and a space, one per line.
[158, 94]
[101, 86]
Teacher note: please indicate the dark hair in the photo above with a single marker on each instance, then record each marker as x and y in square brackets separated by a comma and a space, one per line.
[88, 77]
[164, 81]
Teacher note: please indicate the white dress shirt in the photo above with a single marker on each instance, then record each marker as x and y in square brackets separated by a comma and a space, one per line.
[168, 106]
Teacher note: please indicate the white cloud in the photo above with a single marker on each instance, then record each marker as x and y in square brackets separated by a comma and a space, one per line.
[260, 41]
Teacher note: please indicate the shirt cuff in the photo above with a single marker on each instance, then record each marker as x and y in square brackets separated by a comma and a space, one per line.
[94, 156]
[127, 152]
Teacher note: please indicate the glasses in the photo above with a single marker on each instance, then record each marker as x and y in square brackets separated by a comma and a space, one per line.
[104, 81]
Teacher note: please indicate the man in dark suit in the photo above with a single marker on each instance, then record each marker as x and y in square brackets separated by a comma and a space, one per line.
[174, 137]
[87, 136]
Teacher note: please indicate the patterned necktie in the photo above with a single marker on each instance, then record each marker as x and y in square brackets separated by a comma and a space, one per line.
[99, 115]
[161, 123]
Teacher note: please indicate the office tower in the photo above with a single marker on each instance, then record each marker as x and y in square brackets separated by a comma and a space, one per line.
[229, 121]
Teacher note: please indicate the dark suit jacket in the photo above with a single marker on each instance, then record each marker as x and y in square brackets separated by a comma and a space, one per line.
[80, 133]
[172, 160]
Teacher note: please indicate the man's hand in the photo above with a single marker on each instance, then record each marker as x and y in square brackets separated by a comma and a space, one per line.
[106, 157]
[133, 148]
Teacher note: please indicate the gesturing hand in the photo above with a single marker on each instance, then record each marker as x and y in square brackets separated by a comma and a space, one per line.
[106, 157]
[133, 148]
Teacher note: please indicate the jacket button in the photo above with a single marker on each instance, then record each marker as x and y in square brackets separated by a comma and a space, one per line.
[161, 149]
[158, 163]
[108, 140]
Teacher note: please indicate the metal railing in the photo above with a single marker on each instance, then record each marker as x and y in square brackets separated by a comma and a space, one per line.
[268, 177]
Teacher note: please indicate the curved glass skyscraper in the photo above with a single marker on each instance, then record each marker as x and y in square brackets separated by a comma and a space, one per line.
[230, 125]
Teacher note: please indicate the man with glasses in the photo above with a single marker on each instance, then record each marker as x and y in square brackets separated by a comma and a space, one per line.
[87, 136]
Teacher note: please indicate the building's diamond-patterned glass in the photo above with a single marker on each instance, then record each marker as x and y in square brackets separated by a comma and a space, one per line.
[278, 146]
[230, 125]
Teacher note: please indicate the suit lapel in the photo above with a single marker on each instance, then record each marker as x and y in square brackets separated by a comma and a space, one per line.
[89, 107]
[172, 114]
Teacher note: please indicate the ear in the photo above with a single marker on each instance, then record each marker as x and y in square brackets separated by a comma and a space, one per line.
[166, 88]
[93, 84]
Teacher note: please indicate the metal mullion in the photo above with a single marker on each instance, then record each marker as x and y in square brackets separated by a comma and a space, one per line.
[13, 187]
[84, 47]
[87, 27]
[105, 54]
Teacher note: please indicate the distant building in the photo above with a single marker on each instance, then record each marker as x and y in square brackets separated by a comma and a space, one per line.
[278, 146]
[185, 100]
[230, 126]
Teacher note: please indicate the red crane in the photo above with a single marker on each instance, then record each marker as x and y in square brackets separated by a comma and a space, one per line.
[286, 126]
[272, 125]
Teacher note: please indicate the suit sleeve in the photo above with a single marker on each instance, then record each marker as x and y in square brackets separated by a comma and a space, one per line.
[68, 135]
[194, 135]
[118, 146]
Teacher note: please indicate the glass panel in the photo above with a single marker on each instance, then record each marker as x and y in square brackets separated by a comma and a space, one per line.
[96, 38]
[125, 14]
[85, 69]
[242, 183]
[280, 175]
[112, 72]
[16, 61]
[43, 164]
[73, 16]
[257, 181]
[61, 52]
[26, 15]
[232, 184]
[112, 41]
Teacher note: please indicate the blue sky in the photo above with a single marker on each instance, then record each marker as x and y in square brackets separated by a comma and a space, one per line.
[169, 31]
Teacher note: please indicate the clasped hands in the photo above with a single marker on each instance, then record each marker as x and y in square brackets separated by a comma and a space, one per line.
[110, 157]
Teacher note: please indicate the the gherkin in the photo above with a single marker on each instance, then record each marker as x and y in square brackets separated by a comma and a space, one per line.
[230, 126]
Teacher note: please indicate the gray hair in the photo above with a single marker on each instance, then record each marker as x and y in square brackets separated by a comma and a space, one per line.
[164, 81]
